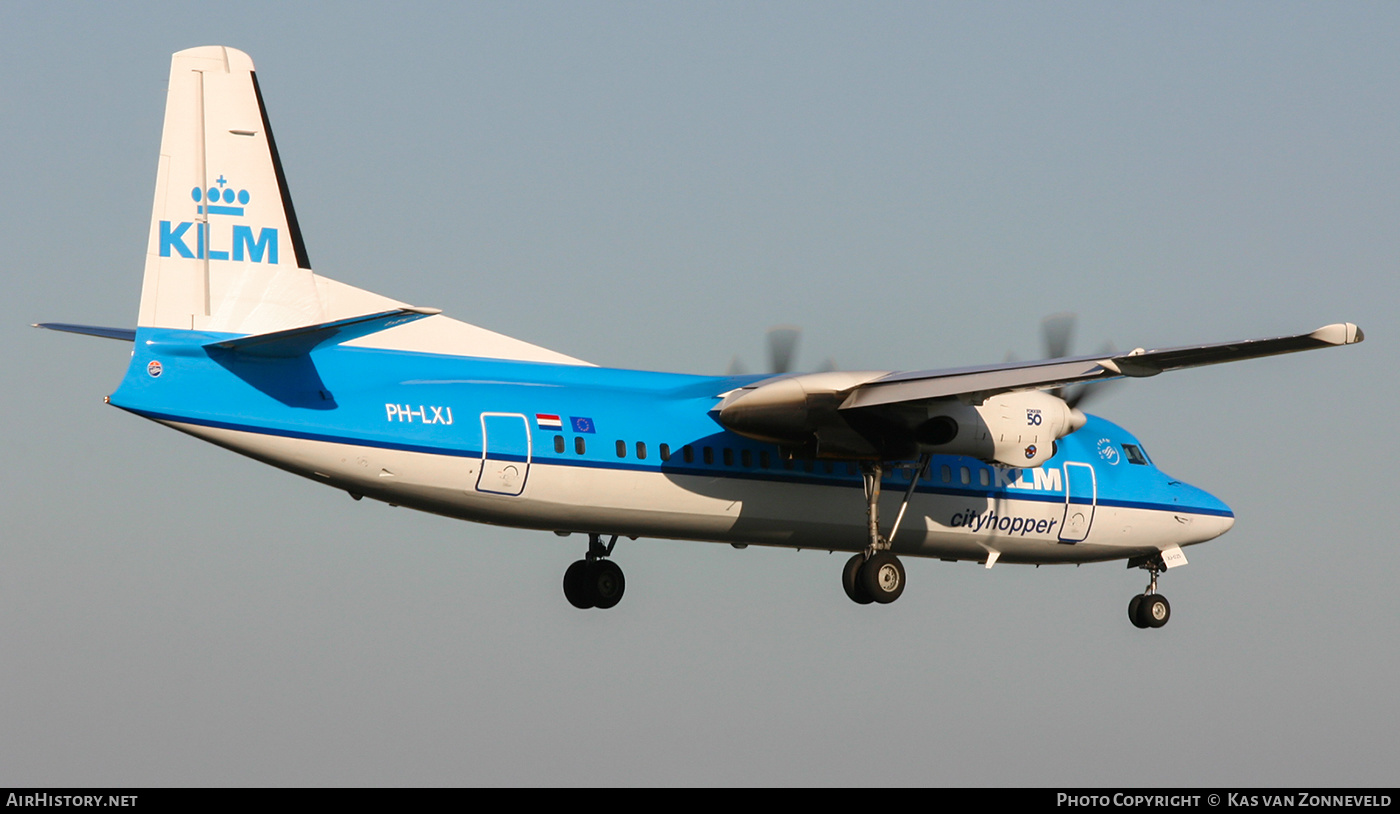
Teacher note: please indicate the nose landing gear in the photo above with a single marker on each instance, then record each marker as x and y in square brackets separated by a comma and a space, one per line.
[877, 577]
[1150, 609]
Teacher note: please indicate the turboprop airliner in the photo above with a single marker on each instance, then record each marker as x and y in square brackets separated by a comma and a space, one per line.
[238, 342]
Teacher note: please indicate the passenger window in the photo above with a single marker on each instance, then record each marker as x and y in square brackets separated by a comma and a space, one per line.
[763, 460]
[746, 458]
[578, 444]
[965, 474]
[688, 453]
[709, 455]
[947, 473]
[641, 451]
[622, 449]
[665, 452]
[728, 456]
[558, 443]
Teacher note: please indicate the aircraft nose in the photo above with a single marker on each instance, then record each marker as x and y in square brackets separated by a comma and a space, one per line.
[1222, 524]
[1212, 517]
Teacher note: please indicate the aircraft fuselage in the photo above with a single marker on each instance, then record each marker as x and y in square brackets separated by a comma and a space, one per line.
[574, 448]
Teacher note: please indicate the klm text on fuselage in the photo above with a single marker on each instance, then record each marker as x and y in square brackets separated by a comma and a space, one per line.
[1038, 479]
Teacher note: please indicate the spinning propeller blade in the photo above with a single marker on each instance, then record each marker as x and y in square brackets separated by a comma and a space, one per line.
[782, 353]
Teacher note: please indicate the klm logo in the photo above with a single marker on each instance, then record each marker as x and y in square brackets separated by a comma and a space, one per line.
[219, 200]
[1039, 479]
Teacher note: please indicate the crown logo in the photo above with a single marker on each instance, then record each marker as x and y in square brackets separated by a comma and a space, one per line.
[221, 198]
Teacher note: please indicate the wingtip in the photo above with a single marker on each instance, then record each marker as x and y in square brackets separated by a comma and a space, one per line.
[1339, 333]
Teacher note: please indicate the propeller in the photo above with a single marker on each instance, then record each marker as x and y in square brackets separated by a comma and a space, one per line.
[782, 347]
[782, 353]
[1057, 331]
[1057, 335]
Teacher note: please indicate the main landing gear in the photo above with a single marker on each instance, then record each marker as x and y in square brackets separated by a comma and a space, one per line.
[876, 574]
[594, 582]
[1150, 609]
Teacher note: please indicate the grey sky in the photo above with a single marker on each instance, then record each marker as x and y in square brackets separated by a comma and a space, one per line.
[651, 186]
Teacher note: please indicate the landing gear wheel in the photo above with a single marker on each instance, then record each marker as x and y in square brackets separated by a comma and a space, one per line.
[576, 585]
[607, 584]
[1154, 611]
[882, 577]
[850, 580]
[1133, 617]
[594, 582]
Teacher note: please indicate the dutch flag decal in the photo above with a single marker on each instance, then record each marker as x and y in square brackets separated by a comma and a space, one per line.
[548, 422]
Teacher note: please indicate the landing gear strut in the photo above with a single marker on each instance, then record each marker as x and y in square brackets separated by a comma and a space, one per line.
[594, 582]
[876, 574]
[1150, 609]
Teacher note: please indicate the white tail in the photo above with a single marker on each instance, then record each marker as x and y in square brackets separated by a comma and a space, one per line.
[225, 251]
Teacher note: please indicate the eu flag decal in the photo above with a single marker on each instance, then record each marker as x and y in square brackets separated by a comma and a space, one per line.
[581, 423]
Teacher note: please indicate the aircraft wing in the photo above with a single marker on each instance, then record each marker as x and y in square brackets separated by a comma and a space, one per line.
[980, 382]
[891, 415]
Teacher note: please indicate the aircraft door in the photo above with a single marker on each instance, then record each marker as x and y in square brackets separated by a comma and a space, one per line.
[1081, 497]
[505, 453]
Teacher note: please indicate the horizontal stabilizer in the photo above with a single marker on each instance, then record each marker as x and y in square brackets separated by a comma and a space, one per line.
[299, 341]
[124, 334]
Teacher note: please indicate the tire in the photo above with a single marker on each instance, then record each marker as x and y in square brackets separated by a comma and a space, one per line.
[1133, 605]
[576, 588]
[850, 580]
[1155, 610]
[607, 583]
[882, 577]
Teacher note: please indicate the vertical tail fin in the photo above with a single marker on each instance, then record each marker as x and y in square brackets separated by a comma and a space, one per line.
[225, 251]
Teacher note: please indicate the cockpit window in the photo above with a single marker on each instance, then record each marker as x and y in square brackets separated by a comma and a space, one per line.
[1135, 454]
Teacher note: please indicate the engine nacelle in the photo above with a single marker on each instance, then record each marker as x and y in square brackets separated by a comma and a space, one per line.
[1014, 429]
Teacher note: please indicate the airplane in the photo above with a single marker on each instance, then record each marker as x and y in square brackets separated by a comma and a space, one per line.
[239, 343]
